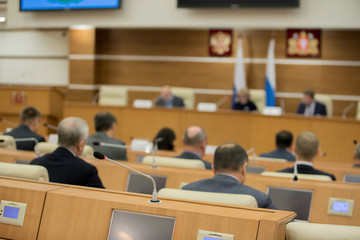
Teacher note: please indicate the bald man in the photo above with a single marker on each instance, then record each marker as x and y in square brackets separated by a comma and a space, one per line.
[194, 142]
[168, 100]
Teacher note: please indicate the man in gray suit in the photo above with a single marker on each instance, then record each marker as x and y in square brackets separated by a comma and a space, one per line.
[168, 100]
[230, 161]
[105, 126]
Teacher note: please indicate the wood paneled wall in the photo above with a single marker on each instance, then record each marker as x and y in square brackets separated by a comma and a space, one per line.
[337, 45]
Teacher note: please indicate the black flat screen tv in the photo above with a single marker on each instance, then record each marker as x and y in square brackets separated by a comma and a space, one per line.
[238, 3]
[61, 5]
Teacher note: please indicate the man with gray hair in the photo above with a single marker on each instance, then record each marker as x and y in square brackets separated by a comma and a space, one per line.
[306, 150]
[194, 142]
[357, 156]
[64, 164]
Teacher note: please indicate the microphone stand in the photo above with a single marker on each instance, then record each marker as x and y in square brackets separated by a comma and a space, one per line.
[154, 199]
[154, 151]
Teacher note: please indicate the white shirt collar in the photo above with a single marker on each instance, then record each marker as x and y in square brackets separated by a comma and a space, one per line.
[305, 163]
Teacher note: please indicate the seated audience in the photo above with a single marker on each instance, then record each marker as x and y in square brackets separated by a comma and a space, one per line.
[230, 161]
[283, 147]
[30, 119]
[357, 156]
[64, 164]
[243, 102]
[194, 143]
[168, 137]
[306, 150]
[105, 127]
[168, 100]
[310, 107]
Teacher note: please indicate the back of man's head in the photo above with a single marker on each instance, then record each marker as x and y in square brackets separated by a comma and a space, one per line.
[229, 157]
[307, 146]
[71, 131]
[284, 139]
[357, 152]
[103, 121]
[29, 114]
[194, 136]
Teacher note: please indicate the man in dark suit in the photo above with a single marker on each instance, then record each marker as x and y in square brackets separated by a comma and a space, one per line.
[64, 164]
[230, 161]
[283, 143]
[168, 100]
[105, 126]
[306, 150]
[310, 107]
[30, 119]
[194, 143]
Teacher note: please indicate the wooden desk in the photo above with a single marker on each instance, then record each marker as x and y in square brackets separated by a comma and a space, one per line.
[71, 212]
[247, 129]
[116, 178]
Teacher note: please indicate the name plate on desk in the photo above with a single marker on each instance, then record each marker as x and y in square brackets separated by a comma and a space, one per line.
[141, 103]
[12, 213]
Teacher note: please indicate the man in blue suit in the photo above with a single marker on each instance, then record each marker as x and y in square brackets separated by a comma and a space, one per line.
[310, 107]
[283, 144]
[230, 161]
[30, 120]
[194, 142]
[168, 100]
[64, 164]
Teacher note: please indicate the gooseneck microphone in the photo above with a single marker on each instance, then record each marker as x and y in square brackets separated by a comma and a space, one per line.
[295, 179]
[7, 122]
[154, 199]
[252, 150]
[51, 126]
[154, 151]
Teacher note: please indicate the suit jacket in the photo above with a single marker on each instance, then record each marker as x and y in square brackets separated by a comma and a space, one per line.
[280, 153]
[110, 152]
[249, 106]
[176, 102]
[64, 167]
[222, 183]
[23, 131]
[193, 156]
[320, 109]
[306, 169]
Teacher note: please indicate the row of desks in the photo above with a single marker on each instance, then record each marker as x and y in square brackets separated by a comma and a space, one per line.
[115, 178]
[250, 130]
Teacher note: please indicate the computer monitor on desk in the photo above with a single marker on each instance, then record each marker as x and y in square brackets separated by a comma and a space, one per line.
[139, 184]
[139, 226]
[290, 199]
[352, 178]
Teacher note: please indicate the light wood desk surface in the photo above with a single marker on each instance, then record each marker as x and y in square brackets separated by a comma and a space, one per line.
[247, 129]
[72, 212]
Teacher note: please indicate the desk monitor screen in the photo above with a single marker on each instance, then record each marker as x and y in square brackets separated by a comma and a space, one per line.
[139, 184]
[11, 212]
[138, 226]
[296, 200]
[255, 169]
[352, 178]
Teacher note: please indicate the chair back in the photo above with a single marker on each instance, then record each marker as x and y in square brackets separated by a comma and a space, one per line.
[300, 176]
[24, 171]
[258, 97]
[326, 99]
[113, 96]
[187, 94]
[8, 143]
[174, 162]
[223, 198]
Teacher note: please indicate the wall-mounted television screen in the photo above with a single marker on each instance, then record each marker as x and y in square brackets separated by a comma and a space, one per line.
[45, 5]
[238, 3]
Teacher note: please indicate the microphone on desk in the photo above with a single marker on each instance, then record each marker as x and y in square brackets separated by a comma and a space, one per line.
[7, 122]
[252, 150]
[51, 126]
[347, 109]
[295, 179]
[154, 199]
[154, 151]
[37, 152]
[222, 100]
